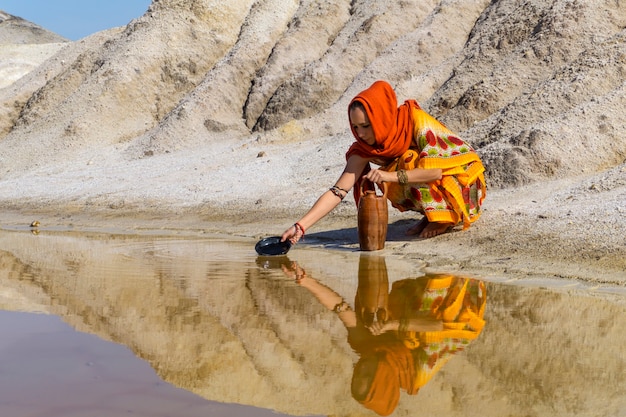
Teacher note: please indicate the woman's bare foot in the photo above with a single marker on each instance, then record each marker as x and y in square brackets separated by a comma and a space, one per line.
[418, 228]
[435, 229]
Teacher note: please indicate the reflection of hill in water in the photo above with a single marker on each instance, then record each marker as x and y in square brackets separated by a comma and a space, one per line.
[553, 351]
[212, 321]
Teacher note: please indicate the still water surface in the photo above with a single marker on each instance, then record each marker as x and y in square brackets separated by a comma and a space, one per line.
[147, 325]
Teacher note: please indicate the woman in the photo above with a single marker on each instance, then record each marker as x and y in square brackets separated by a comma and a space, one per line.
[428, 169]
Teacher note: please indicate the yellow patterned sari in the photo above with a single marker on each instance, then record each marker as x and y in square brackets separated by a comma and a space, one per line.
[458, 196]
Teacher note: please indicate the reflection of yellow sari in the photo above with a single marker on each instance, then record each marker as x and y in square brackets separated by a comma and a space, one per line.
[413, 360]
[460, 192]
[458, 302]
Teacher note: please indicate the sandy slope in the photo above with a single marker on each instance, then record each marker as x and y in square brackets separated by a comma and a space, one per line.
[232, 119]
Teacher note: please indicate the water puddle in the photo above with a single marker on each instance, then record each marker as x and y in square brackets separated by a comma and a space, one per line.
[119, 324]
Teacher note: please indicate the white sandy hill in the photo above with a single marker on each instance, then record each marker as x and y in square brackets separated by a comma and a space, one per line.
[23, 47]
[239, 109]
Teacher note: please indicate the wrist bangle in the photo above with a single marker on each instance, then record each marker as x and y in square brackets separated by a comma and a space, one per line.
[298, 226]
[339, 192]
[403, 179]
[341, 307]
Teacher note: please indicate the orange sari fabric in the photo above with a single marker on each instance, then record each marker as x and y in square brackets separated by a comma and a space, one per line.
[407, 138]
[396, 370]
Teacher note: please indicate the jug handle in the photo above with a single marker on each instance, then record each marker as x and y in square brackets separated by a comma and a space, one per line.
[383, 187]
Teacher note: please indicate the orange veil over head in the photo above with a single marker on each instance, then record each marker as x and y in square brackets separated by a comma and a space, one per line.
[392, 125]
[396, 370]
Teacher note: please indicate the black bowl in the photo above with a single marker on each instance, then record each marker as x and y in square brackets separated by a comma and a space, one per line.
[272, 246]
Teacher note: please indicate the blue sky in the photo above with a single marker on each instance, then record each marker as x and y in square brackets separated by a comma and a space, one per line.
[75, 19]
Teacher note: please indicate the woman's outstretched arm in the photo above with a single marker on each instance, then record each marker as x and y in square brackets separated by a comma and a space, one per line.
[327, 201]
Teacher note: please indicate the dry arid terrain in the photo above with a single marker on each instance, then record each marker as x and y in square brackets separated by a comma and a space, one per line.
[206, 117]
[230, 117]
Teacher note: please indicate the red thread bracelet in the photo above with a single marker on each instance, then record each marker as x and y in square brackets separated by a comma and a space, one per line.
[299, 226]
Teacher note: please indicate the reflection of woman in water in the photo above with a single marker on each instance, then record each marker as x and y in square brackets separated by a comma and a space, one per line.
[403, 336]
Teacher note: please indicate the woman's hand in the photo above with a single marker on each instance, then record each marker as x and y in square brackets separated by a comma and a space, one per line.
[378, 176]
[377, 328]
[293, 234]
[294, 271]
[414, 176]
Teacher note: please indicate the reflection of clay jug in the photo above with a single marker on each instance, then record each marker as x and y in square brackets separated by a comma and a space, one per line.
[372, 294]
[372, 219]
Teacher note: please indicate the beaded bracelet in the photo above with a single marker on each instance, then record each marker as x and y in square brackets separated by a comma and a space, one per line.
[338, 192]
[403, 179]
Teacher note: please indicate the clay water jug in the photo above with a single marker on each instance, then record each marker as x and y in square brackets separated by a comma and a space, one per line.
[373, 217]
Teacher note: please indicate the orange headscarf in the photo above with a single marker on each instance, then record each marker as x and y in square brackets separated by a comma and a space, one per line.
[392, 125]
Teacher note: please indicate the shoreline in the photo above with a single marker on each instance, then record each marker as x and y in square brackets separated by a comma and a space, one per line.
[510, 242]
